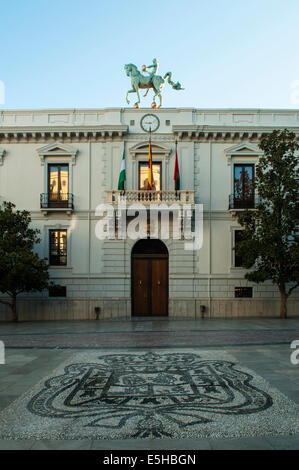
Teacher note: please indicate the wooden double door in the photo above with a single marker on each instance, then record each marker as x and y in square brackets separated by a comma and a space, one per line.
[150, 285]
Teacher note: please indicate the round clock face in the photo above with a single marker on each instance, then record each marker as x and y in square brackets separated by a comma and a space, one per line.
[149, 123]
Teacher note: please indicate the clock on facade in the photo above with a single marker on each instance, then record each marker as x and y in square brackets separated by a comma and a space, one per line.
[150, 123]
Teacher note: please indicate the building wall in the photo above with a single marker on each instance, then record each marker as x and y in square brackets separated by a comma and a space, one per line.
[98, 272]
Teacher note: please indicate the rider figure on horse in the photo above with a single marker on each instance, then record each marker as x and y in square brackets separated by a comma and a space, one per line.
[154, 66]
[152, 81]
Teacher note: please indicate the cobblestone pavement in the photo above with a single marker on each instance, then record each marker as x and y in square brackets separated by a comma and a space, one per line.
[34, 350]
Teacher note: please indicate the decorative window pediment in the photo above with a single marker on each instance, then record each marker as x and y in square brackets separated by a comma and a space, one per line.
[157, 149]
[57, 149]
[242, 150]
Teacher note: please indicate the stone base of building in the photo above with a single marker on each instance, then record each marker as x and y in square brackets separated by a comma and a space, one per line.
[120, 308]
[230, 308]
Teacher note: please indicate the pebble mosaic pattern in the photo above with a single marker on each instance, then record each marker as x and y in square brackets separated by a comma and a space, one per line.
[158, 394]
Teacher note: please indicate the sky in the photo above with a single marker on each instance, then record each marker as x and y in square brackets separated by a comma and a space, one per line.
[225, 53]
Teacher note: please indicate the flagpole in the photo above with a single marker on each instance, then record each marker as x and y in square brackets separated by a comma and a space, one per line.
[176, 152]
[126, 165]
[125, 160]
[150, 163]
[151, 159]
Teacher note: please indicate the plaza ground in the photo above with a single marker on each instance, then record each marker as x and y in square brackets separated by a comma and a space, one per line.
[34, 350]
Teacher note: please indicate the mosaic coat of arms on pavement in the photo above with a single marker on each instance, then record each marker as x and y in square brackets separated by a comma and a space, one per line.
[154, 395]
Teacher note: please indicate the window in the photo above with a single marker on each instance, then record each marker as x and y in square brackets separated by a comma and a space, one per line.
[58, 185]
[243, 186]
[243, 292]
[238, 236]
[57, 291]
[58, 160]
[143, 175]
[58, 247]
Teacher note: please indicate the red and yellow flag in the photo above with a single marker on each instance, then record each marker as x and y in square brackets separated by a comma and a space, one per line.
[176, 175]
[150, 166]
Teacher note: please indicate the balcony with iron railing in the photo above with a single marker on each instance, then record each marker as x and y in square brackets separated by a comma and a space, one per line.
[61, 202]
[242, 203]
[150, 197]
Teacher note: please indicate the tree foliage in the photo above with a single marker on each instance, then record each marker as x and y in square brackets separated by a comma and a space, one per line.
[270, 240]
[21, 270]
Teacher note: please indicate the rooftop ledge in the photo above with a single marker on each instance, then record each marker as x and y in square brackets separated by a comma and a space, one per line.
[141, 109]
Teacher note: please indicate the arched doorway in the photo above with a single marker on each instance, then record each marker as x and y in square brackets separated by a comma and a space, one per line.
[149, 278]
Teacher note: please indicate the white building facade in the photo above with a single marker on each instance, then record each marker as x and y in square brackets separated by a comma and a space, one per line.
[62, 164]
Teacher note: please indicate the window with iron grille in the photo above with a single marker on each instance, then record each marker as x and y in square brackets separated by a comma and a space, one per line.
[57, 291]
[243, 292]
[58, 247]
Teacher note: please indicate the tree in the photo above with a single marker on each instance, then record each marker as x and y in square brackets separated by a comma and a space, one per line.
[270, 240]
[21, 270]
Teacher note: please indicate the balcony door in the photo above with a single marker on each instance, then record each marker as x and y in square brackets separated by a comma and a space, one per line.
[243, 186]
[143, 176]
[149, 278]
[58, 185]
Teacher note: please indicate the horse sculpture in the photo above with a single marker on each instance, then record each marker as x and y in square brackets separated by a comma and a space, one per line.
[156, 82]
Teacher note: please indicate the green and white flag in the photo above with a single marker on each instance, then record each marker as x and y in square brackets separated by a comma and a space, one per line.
[122, 175]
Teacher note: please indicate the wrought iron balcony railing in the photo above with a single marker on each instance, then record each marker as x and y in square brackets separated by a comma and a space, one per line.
[237, 203]
[57, 201]
[150, 197]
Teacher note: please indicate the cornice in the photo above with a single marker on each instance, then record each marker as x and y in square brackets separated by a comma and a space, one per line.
[72, 133]
[207, 132]
[103, 133]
